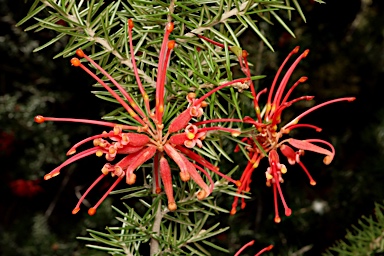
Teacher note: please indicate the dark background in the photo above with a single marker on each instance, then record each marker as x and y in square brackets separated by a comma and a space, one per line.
[346, 57]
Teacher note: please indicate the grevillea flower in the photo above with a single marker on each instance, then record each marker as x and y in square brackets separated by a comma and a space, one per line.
[268, 139]
[150, 138]
[25, 188]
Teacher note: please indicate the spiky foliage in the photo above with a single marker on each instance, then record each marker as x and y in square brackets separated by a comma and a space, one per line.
[366, 238]
[101, 26]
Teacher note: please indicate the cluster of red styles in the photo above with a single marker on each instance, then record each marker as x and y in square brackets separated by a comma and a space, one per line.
[152, 140]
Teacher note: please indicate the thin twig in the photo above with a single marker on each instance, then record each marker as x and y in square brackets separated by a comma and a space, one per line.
[64, 183]
[302, 250]
[171, 10]
[154, 244]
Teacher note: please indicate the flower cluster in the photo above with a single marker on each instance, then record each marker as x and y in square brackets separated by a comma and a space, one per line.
[267, 139]
[150, 138]
[269, 136]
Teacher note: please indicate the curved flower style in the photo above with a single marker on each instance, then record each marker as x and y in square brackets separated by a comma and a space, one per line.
[268, 140]
[150, 138]
[266, 249]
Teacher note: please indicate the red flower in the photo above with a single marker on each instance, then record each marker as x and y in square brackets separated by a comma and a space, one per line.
[268, 139]
[149, 139]
[25, 188]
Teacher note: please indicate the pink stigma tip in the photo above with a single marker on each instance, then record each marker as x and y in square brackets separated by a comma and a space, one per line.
[75, 62]
[288, 212]
[80, 53]
[76, 210]
[39, 119]
[71, 152]
[92, 211]
[169, 27]
[171, 44]
[130, 23]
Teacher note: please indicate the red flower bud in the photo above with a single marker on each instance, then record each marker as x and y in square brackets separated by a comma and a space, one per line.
[180, 122]
[166, 177]
[144, 155]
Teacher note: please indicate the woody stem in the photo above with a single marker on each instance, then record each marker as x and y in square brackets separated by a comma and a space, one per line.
[171, 10]
[154, 244]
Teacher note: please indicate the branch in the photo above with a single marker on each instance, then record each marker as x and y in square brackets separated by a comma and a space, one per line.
[154, 244]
